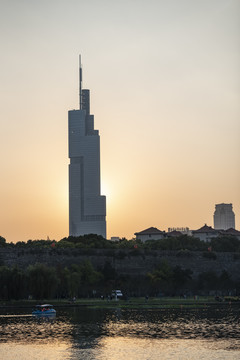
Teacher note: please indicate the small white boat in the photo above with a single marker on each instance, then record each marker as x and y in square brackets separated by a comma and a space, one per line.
[44, 310]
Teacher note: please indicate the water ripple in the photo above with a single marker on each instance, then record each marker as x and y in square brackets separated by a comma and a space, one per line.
[86, 327]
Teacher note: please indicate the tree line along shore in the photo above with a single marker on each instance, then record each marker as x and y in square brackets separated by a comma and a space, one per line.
[92, 241]
[85, 280]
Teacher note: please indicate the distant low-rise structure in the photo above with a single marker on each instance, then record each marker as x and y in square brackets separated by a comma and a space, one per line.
[230, 232]
[205, 233]
[115, 238]
[151, 233]
[182, 230]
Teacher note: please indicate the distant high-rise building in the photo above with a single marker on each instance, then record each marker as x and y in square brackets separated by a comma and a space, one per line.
[224, 217]
[87, 208]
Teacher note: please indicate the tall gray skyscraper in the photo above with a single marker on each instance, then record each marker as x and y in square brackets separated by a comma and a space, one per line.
[87, 208]
[224, 217]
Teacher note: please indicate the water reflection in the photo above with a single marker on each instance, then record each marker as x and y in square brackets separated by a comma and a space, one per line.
[108, 334]
[16, 351]
[186, 324]
[27, 329]
[121, 348]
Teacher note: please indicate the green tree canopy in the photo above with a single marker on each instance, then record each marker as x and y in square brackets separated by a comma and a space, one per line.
[43, 280]
[225, 244]
[2, 241]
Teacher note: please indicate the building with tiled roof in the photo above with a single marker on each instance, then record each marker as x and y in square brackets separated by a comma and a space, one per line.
[205, 233]
[231, 232]
[151, 233]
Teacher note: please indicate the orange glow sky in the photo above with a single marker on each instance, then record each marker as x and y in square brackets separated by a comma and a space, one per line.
[164, 79]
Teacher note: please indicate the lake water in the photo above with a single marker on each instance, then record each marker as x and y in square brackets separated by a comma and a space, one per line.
[100, 334]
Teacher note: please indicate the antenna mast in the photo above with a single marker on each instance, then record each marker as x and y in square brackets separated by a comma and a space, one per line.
[80, 83]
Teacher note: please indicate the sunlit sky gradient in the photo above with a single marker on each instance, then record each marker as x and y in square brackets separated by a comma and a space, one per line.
[164, 77]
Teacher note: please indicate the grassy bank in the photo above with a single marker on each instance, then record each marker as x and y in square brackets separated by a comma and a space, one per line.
[134, 303]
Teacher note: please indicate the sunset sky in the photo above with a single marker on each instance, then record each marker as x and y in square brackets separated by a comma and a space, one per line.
[164, 77]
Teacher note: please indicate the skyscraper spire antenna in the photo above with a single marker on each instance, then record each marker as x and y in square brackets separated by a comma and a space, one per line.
[80, 83]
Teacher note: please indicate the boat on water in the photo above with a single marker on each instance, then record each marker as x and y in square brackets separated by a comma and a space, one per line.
[44, 310]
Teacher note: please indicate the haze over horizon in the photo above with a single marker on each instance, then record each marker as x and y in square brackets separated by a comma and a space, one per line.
[164, 82]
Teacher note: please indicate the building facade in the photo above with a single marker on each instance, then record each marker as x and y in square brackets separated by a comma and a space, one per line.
[87, 207]
[205, 233]
[224, 217]
[151, 233]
